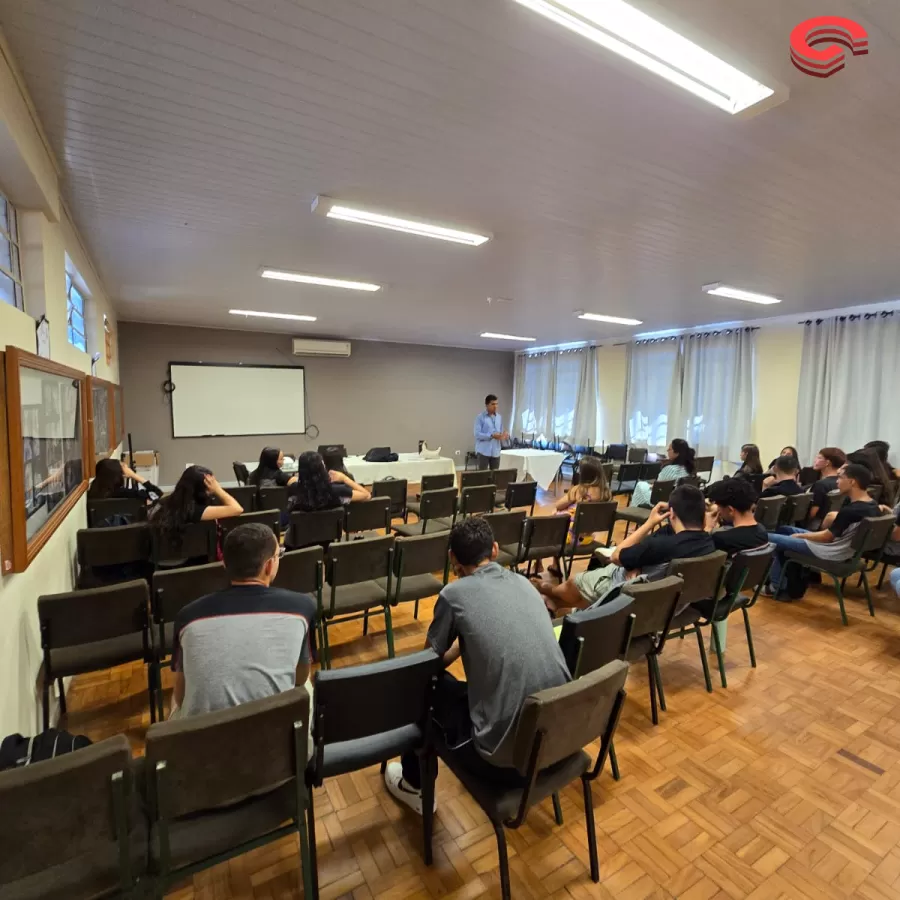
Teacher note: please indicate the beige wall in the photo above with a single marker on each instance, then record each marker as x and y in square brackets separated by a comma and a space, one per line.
[383, 395]
[612, 365]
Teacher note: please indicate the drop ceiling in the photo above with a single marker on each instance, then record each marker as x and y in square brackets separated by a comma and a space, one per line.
[195, 134]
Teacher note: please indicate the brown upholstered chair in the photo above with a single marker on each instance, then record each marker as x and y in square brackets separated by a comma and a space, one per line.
[590, 517]
[364, 518]
[507, 528]
[543, 537]
[768, 511]
[198, 545]
[245, 495]
[521, 494]
[429, 483]
[116, 511]
[478, 478]
[273, 498]
[311, 529]
[113, 555]
[502, 479]
[395, 490]
[434, 509]
[415, 561]
[270, 517]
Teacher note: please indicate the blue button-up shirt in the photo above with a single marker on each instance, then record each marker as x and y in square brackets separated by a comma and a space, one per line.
[486, 425]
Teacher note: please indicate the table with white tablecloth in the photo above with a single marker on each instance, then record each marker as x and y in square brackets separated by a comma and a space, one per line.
[410, 466]
[540, 465]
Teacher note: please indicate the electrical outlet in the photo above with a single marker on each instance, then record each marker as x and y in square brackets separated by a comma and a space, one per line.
[456, 452]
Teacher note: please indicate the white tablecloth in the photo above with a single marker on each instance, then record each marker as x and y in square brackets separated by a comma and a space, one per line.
[541, 465]
[410, 466]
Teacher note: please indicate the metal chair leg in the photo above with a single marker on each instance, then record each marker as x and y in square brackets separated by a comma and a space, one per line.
[613, 761]
[557, 810]
[305, 856]
[365, 623]
[884, 569]
[591, 829]
[749, 638]
[504, 862]
[865, 582]
[703, 660]
[659, 683]
[427, 772]
[62, 696]
[840, 596]
[654, 715]
[326, 647]
[313, 853]
[416, 610]
[45, 695]
[390, 630]
[717, 643]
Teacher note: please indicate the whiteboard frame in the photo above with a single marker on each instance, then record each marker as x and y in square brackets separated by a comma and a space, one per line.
[215, 365]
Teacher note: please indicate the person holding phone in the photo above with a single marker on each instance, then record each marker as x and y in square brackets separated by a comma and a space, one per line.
[489, 434]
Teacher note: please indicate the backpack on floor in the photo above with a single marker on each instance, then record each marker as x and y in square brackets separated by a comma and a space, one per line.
[797, 581]
[17, 751]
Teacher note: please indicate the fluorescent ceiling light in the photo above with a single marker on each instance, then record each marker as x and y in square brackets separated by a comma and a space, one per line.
[640, 39]
[505, 337]
[612, 320]
[334, 210]
[316, 279]
[723, 290]
[270, 315]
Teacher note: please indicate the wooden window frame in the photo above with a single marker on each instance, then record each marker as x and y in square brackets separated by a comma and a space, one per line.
[24, 550]
[6, 534]
[118, 399]
[92, 382]
[71, 330]
[11, 236]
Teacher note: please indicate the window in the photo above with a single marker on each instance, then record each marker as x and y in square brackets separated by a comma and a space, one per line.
[651, 371]
[10, 264]
[75, 314]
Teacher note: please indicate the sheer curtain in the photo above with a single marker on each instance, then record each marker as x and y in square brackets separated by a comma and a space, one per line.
[849, 379]
[650, 376]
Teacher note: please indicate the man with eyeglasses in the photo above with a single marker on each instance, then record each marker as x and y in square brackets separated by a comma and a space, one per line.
[244, 643]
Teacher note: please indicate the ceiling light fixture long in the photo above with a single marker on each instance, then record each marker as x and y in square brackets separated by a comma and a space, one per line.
[637, 37]
[334, 209]
[717, 289]
[300, 278]
[506, 337]
[610, 320]
[270, 315]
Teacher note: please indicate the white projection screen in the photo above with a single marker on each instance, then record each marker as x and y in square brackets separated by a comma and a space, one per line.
[211, 400]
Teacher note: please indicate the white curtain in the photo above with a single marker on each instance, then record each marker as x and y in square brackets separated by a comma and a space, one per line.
[712, 398]
[849, 379]
[535, 392]
[650, 376]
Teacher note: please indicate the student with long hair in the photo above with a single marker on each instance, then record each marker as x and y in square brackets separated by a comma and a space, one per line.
[881, 474]
[750, 461]
[680, 464]
[109, 483]
[786, 451]
[317, 489]
[883, 448]
[268, 473]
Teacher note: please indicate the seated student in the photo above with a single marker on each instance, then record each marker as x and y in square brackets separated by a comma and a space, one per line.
[833, 542]
[109, 483]
[881, 474]
[770, 472]
[733, 525]
[750, 462]
[318, 489]
[784, 481]
[828, 463]
[244, 643]
[883, 448]
[641, 553]
[496, 621]
[268, 473]
[680, 464]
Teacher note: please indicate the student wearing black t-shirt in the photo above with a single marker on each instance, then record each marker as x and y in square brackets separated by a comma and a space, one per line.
[109, 483]
[785, 483]
[318, 489]
[735, 528]
[828, 463]
[268, 473]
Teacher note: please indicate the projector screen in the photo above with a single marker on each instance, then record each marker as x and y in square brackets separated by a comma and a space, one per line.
[211, 400]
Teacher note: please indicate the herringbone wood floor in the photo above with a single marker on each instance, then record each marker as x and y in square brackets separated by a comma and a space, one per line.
[785, 785]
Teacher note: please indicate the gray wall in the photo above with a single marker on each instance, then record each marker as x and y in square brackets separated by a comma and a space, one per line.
[384, 394]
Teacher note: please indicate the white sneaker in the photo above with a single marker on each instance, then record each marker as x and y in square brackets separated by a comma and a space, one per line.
[393, 779]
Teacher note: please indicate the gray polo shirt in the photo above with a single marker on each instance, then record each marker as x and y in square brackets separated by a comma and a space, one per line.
[508, 650]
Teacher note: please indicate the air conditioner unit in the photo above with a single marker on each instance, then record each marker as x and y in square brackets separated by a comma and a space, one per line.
[305, 347]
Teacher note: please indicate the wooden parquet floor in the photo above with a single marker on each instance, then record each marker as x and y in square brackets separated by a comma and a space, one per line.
[784, 785]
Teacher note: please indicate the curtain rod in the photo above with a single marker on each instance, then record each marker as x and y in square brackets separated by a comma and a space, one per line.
[697, 334]
[884, 314]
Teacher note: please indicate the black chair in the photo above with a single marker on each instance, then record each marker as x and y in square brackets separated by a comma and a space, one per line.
[520, 494]
[245, 495]
[654, 609]
[308, 529]
[616, 453]
[273, 498]
[115, 511]
[113, 555]
[835, 502]
[478, 478]
[395, 490]
[270, 517]
[92, 630]
[372, 713]
[627, 478]
[501, 479]
[796, 509]
[69, 829]
[415, 561]
[756, 481]
[364, 517]
[636, 454]
[809, 476]
[429, 483]
[507, 528]
[650, 472]
[553, 727]
[241, 473]
[637, 515]
[875, 491]
[434, 510]
[198, 544]
[353, 570]
[692, 480]
[703, 467]
[591, 517]
[210, 801]
[869, 539]
[768, 511]
[543, 537]
[472, 501]
[301, 571]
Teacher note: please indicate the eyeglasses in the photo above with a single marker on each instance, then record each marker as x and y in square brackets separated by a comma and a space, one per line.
[281, 551]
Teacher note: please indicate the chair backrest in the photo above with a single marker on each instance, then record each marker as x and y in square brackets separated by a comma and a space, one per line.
[199, 539]
[355, 561]
[661, 491]
[796, 509]
[637, 454]
[693, 480]
[368, 515]
[501, 478]
[478, 478]
[654, 604]
[768, 511]
[594, 515]
[245, 495]
[273, 498]
[270, 517]
[437, 482]
[440, 504]
[96, 614]
[521, 493]
[113, 546]
[629, 472]
[558, 722]
[507, 526]
[63, 810]
[873, 534]
[809, 475]
[478, 499]
[395, 490]
[755, 480]
[315, 528]
[173, 589]
[748, 569]
[836, 501]
[875, 491]
[593, 637]
[650, 471]
[301, 571]
[546, 531]
[115, 510]
[422, 554]
[220, 758]
[702, 576]
[616, 452]
[704, 465]
[241, 473]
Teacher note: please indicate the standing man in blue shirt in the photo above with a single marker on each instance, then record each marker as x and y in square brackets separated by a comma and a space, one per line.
[489, 434]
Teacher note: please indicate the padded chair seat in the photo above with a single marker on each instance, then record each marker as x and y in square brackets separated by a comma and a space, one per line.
[351, 598]
[636, 514]
[500, 498]
[413, 587]
[639, 648]
[539, 553]
[687, 617]
[705, 607]
[432, 526]
[626, 487]
[364, 535]
[841, 568]
[585, 550]
[506, 557]
[96, 655]
[349, 756]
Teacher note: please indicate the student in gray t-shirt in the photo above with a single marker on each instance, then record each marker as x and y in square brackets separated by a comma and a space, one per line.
[497, 622]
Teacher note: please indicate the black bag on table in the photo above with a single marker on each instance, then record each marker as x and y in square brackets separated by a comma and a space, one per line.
[381, 455]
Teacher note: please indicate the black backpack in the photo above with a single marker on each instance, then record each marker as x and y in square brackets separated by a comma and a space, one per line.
[17, 751]
[381, 454]
[797, 581]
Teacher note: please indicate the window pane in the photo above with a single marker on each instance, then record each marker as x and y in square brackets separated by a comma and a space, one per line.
[13, 219]
[20, 300]
[68, 285]
[77, 300]
[7, 290]
[4, 221]
[77, 322]
[6, 260]
[16, 262]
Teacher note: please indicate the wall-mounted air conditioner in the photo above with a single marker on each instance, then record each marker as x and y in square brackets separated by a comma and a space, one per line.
[307, 347]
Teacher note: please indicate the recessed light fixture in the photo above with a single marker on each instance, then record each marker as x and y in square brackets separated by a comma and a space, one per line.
[300, 278]
[724, 290]
[270, 315]
[640, 39]
[612, 320]
[333, 209]
[506, 337]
